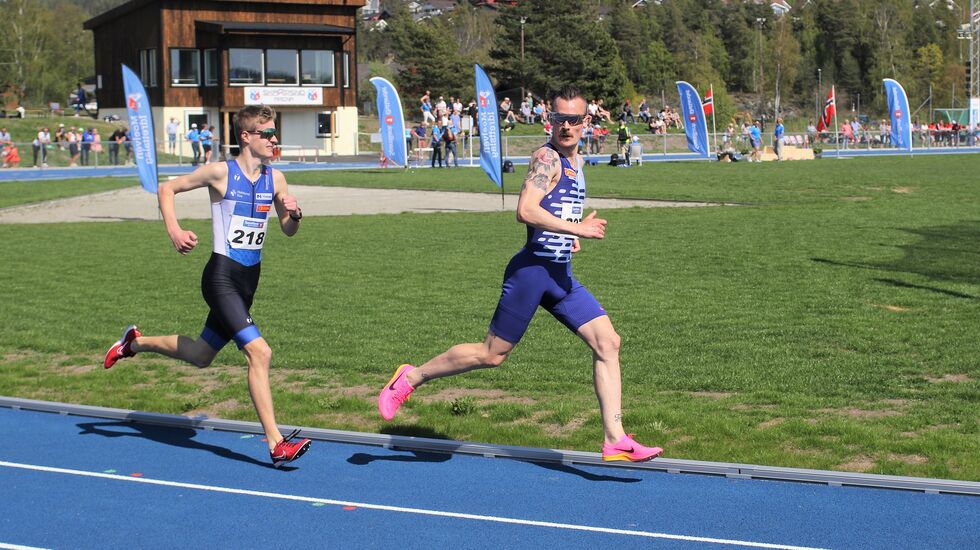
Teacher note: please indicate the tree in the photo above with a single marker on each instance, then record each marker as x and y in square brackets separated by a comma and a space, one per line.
[569, 46]
[430, 58]
[657, 68]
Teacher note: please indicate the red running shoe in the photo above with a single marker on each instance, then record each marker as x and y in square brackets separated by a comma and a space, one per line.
[123, 347]
[288, 450]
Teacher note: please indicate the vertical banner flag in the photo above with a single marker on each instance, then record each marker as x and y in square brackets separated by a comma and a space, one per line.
[489, 122]
[392, 123]
[708, 103]
[694, 124]
[829, 110]
[141, 128]
[898, 106]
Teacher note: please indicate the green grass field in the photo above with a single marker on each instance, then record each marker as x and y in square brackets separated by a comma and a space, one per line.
[827, 321]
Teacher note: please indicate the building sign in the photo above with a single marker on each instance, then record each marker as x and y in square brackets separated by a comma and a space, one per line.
[255, 95]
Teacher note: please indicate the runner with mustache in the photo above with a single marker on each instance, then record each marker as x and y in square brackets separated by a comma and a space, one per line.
[551, 204]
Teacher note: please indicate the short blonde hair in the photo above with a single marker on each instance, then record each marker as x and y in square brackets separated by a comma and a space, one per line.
[250, 116]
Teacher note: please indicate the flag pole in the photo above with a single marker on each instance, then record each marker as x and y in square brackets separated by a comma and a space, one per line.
[833, 91]
[714, 131]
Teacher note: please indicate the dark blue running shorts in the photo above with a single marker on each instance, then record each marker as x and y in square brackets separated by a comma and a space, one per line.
[530, 282]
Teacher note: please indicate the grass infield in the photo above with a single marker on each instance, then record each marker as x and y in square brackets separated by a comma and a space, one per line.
[828, 321]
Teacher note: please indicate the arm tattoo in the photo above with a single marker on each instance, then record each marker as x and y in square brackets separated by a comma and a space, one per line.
[539, 171]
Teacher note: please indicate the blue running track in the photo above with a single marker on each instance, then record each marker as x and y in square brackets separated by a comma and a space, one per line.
[80, 482]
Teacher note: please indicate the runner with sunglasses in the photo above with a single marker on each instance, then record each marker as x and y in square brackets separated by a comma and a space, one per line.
[243, 193]
[540, 274]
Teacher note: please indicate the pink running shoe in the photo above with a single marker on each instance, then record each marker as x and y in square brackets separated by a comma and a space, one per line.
[395, 392]
[122, 348]
[628, 449]
[288, 450]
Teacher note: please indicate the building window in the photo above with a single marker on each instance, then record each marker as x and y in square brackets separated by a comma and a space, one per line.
[346, 80]
[281, 67]
[323, 124]
[244, 66]
[185, 67]
[148, 68]
[211, 67]
[318, 67]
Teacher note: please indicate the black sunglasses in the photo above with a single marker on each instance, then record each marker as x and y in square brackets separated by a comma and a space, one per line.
[268, 133]
[558, 119]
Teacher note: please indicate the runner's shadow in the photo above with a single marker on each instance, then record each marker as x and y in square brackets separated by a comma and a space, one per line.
[175, 436]
[363, 459]
[588, 476]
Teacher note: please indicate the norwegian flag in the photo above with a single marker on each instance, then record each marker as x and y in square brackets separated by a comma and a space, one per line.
[829, 110]
[708, 103]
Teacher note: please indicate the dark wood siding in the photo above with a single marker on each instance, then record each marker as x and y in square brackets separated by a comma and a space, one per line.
[116, 44]
[166, 24]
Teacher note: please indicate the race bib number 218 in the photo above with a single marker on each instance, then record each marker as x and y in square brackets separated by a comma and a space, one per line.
[246, 233]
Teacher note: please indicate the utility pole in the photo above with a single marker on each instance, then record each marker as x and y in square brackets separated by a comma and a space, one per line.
[760, 21]
[523, 69]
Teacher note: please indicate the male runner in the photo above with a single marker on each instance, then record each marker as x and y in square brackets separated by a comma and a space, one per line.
[550, 204]
[243, 191]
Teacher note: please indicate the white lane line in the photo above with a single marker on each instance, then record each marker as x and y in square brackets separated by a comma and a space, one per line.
[421, 511]
[7, 546]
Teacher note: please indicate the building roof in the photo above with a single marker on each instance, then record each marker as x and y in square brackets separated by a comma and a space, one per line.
[133, 5]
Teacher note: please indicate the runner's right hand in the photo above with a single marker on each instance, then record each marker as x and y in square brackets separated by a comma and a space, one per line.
[184, 241]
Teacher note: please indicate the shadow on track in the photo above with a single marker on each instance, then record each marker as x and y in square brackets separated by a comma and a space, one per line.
[175, 436]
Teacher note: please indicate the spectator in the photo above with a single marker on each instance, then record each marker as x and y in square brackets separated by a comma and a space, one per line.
[602, 112]
[194, 136]
[5, 138]
[86, 145]
[623, 139]
[811, 132]
[73, 137]
[547, 128]
[644, 111]
[778, 138]
[527, 113]
[419, 136]
[755, 138]
[449, 135]
[40, 144]
[436, 146]
[206, 134]
[172, 136]
[96, 144]
[79, 99]
[59, 137]
[128, 146]
[118, 136]
[216, 144]
[848, 130]
[627, 113]
[426, 102]
[505, 107]
[11, 157]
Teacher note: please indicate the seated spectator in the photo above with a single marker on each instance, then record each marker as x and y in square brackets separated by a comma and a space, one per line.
[644, 111]
[601, 111]
[11, 157]
[547, 128]
[538, 111]
[526, 113]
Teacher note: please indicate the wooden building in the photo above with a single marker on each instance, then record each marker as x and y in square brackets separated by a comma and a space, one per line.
[202, 60]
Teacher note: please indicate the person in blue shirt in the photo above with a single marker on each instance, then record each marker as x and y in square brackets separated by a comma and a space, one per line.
[194, 136]
[450, 134]
[778, 138]
[436, 146]
[755, 137]
[206, 135]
